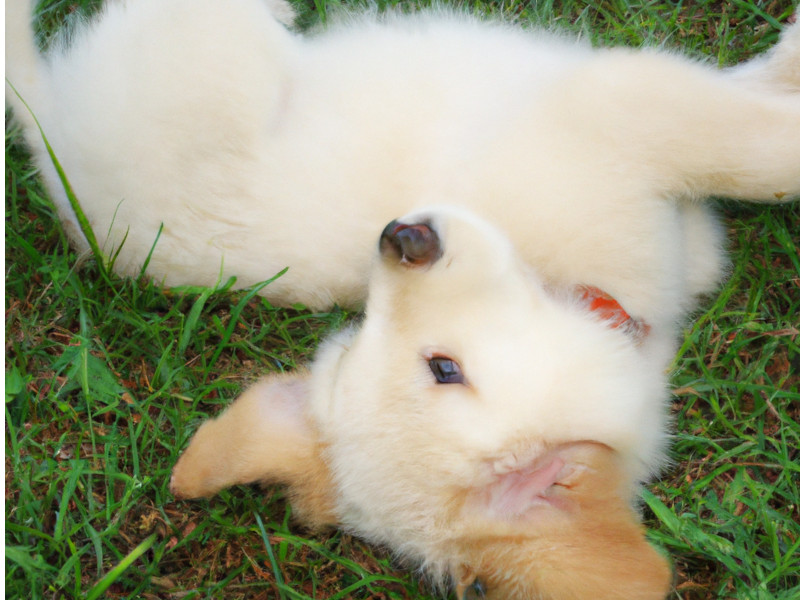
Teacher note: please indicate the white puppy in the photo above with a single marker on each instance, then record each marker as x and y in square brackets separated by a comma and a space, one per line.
[491, 416]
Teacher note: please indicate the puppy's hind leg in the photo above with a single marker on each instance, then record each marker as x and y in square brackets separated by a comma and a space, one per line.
[263, 436]
[750, 129]
[730, 140]
[687, 130]
[777, 70]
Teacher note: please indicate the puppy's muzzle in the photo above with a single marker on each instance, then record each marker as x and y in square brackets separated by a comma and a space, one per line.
[414, 245]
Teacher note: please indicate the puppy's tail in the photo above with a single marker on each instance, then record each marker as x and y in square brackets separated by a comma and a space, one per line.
[25, 66]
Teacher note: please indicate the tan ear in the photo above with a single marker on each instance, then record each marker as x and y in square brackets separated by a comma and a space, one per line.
[577, 538]
[265, 436]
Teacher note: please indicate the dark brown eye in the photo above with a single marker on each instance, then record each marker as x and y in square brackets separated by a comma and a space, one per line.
[446, 370]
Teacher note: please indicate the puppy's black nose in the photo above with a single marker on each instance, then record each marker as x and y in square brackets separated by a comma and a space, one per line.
[412, 245]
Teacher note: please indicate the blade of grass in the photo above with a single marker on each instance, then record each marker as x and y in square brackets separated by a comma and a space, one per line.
[236, 312]
[101, 586]
[83, 222]
[276, 570]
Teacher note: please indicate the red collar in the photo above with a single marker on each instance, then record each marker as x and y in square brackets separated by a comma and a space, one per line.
[609, 310]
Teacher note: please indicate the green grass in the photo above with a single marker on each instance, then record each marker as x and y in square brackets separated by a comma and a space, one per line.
[106, 379]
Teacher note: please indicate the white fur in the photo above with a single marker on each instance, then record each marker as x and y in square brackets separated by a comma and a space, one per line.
[259, 149]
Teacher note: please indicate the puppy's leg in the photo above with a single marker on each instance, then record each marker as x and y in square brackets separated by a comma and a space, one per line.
[687, 130]
[704, 240]
[263, 436]
[778, 70]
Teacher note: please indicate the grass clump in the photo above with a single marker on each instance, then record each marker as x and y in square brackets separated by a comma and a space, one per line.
[107, 378]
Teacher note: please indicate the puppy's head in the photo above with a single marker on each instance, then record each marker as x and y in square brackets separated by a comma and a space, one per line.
[448, 405]
[477, 421]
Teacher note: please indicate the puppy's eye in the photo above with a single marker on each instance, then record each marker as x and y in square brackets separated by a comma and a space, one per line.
[446, 370]
[476, 591]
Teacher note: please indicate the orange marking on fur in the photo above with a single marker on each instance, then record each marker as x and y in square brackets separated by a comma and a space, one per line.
[608, 309]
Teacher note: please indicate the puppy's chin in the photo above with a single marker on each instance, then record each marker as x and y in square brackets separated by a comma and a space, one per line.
[578, 538]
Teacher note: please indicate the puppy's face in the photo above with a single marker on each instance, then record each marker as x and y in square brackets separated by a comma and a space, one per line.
[476, 421]
[466, 379]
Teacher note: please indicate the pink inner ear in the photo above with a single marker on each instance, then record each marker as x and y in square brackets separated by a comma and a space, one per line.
[515, 492]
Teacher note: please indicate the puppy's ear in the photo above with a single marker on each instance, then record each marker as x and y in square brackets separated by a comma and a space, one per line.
[265, 435]
[559, 527]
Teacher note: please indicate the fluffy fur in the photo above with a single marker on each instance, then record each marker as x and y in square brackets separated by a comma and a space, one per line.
[537, 165]
[259, 149]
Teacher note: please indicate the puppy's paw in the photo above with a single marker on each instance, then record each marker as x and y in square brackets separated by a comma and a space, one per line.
[778, 70]
[201, 470]
[190, 479]
[785, 60]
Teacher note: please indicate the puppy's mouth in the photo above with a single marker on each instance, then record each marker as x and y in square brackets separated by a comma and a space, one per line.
[524, 485]
[531, 493]
[519, 486]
